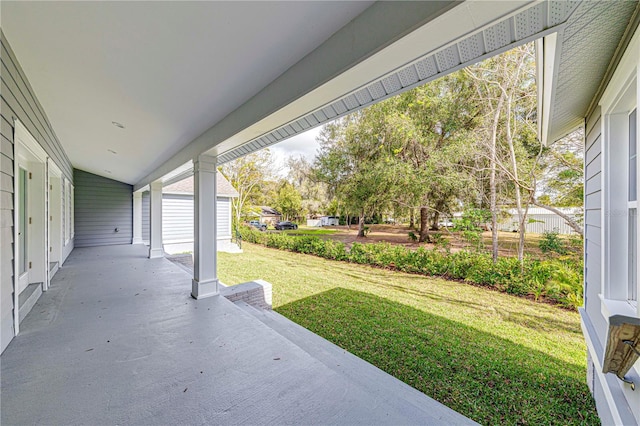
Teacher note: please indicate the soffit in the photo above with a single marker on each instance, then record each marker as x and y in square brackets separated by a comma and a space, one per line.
[586, 47]
[516, 26]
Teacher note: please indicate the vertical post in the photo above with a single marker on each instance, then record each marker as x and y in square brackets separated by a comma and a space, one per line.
[155, 246]
[137, 218]
[205, 274]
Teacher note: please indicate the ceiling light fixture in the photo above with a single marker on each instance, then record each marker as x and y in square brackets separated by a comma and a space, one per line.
[115, 123]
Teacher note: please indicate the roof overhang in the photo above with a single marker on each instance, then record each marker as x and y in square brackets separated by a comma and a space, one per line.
[465, 34]
[575, 64]
[360, 53]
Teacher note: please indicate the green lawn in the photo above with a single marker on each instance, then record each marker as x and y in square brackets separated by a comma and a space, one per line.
[310, 231]
[493, 357]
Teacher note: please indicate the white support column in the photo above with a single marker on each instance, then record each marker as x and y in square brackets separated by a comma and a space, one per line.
[155, 246]
[137, 218]
[205, 273]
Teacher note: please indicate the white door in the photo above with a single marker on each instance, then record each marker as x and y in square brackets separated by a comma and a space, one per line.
[23, 227]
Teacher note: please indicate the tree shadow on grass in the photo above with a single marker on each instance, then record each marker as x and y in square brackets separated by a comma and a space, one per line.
[486, 378]
[542, 323]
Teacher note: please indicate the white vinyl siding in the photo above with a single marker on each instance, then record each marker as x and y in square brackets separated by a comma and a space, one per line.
[18, 101]
[593, 222]
[177, 218]
[103, 211]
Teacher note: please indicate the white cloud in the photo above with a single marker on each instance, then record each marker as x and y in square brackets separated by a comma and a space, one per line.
[303, 144]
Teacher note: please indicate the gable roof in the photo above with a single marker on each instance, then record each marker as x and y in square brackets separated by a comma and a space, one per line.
[185, 186]
[269, 211]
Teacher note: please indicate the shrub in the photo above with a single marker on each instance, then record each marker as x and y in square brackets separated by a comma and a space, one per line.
[412, 236]
[441, 242]
[558, 279]
[552, 243]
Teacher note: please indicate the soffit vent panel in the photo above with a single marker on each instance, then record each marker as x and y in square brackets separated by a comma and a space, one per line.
[426, 68]
[363, 97]
[340, 107]
[351, 102]
[498, 36]
[558, 11]
[494, 39]
[471, 48]
[296, 126]
[408, 76]
[531, 22]
[272, 139]
[377, 90]
[313, 121]
[585, 20]
[448, 58]
[329, 112]
[581, 66]
[392, 83]
[319, 115]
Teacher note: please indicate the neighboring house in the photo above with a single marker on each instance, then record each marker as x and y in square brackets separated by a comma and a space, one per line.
[269, 216]
[177, 216]
[541, 220]
[88, 122]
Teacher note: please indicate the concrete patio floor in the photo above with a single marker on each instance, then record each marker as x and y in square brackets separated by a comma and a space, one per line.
[118, 340]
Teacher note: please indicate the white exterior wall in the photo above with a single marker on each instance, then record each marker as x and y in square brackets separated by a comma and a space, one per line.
[177, 221]
[607, 238]
[19, 103]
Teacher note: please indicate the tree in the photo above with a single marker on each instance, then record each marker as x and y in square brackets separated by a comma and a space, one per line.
[313, 192]
[563, 162]
[249, 175]
[506, 85]
[435, 122]
[288, 201]
[356, 164]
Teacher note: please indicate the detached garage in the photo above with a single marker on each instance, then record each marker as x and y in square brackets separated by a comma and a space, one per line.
[177, 216]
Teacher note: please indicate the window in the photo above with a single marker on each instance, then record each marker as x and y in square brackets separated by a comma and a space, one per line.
[620, 208]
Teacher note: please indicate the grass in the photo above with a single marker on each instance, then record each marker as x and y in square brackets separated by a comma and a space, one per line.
[309, 231]
[492, 357]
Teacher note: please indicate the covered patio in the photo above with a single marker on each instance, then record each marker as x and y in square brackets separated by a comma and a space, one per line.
[141, 95]
[117, 339]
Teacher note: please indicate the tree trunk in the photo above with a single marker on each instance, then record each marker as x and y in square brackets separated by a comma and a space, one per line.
[412, 218]
[436, 218]
[424, 225]
[571, 222]
[492, 180]
[522, 213]
[361, 226]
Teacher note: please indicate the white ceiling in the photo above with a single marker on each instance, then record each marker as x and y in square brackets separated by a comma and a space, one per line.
[167, 71]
